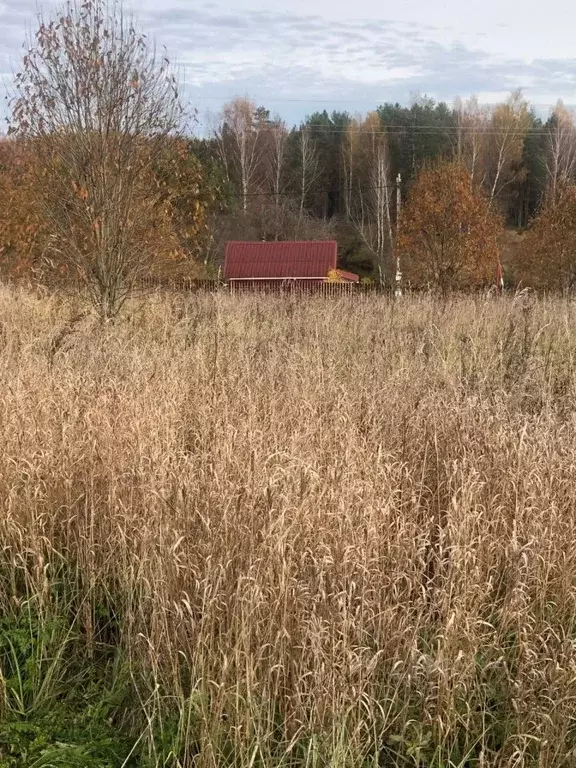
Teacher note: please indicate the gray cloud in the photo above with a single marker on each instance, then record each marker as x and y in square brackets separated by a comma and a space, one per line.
[302, 62]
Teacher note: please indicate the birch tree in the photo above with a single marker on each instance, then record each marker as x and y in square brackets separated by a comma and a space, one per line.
[507, 131]
[239, 138]
[472, 138]
[369, 165]
[276, 159]
[310, 169]
[560, 158]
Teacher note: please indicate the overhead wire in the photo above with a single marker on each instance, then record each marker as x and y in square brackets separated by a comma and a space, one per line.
[451, 131]
[423, 129]
[312, 100]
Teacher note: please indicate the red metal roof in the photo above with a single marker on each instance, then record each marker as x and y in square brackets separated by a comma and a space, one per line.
[285, 259]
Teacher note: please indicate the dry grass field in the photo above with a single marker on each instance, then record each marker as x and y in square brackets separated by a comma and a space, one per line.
[250, 531]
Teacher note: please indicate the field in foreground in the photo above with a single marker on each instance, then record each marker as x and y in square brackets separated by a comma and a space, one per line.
[240, 531]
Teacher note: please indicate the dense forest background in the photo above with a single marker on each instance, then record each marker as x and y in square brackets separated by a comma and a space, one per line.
[348, 176]
[337, 175]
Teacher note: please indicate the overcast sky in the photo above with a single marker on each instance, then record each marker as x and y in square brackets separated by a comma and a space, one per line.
[296, 56]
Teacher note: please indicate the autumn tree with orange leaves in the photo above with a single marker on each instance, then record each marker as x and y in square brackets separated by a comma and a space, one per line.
[548, 256]
[98, 113]
[448, 236]
[180, 229]
[21, 227]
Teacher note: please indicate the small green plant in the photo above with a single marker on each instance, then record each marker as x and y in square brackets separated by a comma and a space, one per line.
[58, 707]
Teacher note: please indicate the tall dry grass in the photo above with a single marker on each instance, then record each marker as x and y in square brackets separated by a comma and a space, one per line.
[308, 532]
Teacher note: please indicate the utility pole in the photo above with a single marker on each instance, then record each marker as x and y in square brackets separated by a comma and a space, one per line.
[500, 278]
[398, 288]
[460, 135]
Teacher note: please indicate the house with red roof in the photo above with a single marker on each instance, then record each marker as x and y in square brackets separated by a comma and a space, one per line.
[305, 263]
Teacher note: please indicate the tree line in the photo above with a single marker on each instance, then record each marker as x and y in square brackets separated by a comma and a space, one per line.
[343, 175]
[100, 179]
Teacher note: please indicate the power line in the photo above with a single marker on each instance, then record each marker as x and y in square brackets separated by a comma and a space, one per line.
[312, 100]
[451, 131]
[425, 130]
